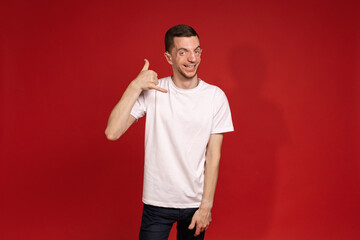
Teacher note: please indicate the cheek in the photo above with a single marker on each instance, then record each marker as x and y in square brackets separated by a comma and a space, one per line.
[179, 60]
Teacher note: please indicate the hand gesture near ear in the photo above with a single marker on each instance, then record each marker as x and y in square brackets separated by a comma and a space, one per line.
[147, 79]
[120, 118]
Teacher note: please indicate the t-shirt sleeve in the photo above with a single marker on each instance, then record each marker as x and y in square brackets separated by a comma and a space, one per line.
[222, 121]
[139, 108]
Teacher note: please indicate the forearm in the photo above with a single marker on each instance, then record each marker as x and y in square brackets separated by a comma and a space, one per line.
[119, 117]
[211, 177]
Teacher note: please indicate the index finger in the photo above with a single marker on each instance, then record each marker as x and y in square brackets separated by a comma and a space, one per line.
[160, 89]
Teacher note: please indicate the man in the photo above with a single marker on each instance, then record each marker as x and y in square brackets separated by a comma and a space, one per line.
[185, 122]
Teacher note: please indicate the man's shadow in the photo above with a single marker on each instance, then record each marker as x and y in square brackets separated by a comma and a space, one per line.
[261, 131]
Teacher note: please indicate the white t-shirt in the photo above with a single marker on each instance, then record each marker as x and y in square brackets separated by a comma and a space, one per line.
[178, 127]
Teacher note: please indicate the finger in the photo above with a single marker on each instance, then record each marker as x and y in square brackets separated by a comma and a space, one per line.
[155, 81]
[154, 73]
[192, 224]
[160, 89]
[197, 233]
[146, 65]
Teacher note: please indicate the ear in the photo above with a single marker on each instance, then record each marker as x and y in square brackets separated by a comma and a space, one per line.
[168, 57]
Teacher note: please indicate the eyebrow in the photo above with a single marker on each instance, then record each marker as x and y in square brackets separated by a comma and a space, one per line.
[187, 49]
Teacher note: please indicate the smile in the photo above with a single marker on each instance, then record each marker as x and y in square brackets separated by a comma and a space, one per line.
[189, 66]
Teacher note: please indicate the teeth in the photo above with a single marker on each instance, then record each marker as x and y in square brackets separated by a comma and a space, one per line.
[189, 66]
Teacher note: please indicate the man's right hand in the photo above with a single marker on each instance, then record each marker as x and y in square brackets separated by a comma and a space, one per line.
[147, 79]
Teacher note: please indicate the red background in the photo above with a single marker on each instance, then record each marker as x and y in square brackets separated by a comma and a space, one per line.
[290, 70]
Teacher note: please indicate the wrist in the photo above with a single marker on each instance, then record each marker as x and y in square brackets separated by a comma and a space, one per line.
[134, 85]
[206, 205]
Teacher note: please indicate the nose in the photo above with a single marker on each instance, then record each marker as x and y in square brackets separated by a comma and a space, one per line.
[191, 57]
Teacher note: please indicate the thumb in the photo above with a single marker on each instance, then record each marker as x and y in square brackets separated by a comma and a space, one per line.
[192, 224]
[146, 65]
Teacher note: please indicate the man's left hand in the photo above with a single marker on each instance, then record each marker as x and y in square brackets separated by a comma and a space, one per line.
[201, 219]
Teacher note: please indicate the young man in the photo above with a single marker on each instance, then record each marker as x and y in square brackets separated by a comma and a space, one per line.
[185, 122]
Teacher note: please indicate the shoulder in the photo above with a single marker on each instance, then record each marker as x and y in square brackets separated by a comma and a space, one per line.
[215, 90]
[164, 83]
[216, 96]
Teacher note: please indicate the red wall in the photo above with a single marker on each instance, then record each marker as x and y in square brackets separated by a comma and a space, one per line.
[290, 69]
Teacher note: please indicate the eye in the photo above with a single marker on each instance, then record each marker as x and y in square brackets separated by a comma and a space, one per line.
[182, 53]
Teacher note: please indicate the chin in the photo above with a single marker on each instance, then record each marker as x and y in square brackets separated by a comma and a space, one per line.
[188, 75]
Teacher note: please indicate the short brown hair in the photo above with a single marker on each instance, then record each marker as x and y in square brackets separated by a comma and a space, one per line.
[180, 30]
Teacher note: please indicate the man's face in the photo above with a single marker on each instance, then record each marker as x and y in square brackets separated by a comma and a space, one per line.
[185, 57]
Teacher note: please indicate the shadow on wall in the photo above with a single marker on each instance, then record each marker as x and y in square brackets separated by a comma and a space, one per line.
[261, 131]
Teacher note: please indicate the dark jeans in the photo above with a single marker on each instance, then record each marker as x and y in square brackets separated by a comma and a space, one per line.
[157, 222]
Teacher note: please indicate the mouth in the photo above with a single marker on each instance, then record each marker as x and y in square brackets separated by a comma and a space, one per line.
[190, 66]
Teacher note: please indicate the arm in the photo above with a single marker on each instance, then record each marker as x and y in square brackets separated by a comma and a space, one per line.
[120, 119]
[202, 216]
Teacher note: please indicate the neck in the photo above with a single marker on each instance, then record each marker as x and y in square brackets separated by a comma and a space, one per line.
[185, 83]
